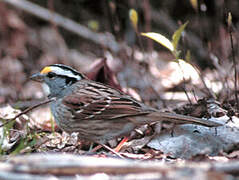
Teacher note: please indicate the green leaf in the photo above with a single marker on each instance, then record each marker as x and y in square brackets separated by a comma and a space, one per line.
[160, 39]
[177, 34]
[22, 144]
[188, 56]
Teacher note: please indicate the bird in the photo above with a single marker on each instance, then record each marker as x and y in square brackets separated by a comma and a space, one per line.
[97, 111]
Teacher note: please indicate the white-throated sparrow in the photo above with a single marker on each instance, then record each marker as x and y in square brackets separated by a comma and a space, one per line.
[98, 112]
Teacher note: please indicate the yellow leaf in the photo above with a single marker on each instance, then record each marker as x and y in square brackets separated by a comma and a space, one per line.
[159, 39]
[94, 25]
[194, 4]
[229, 19]
[133, 15]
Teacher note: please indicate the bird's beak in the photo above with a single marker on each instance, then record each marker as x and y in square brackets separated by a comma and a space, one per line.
[37, 77]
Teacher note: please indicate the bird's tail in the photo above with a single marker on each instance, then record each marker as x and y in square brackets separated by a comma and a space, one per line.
[178, 119]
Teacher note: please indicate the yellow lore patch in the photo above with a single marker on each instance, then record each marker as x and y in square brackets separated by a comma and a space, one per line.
[46, 70]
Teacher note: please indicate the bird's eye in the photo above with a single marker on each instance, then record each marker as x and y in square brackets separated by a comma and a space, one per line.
[51, 75]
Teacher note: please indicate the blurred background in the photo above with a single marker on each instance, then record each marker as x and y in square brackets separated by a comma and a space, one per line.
[83, 33]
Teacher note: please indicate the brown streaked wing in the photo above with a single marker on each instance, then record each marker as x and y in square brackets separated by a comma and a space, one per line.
[93, 107]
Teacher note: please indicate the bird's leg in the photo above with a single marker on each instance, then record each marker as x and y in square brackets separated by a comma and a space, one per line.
[95, 148]
[100, 145]
[120, 145]
[111, 150]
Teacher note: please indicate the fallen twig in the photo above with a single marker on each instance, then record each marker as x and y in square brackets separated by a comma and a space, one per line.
[36, 10]
[47, 166]
[26, 111]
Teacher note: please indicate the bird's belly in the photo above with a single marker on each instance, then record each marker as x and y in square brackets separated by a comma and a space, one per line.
[92, 129]
[102, 130]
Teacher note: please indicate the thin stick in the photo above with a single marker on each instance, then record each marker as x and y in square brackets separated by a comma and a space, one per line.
[210, 93]
[26, 111]
[147, 18]
[184, 83]
[235, 67]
